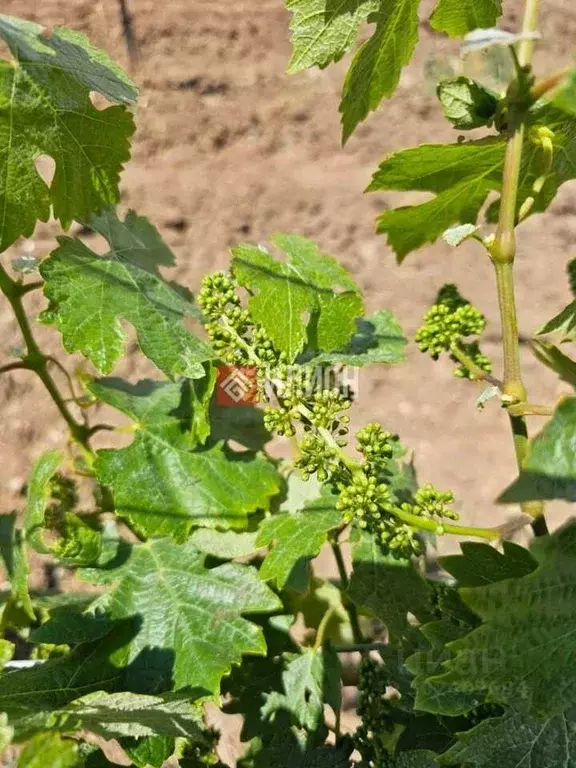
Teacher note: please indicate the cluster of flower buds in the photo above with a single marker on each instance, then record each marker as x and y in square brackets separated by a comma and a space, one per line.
[447, 324]
[295, 397]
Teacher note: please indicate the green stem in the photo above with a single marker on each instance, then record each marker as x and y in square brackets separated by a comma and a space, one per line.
[512, 386]
[440, 528]
[17, 365]
[478, 373]
[344, 584]
[35, 360]
[503, 254]
[321, 631]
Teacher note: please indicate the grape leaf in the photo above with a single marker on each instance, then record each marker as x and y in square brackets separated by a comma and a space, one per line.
[516, 740]
[114, 715]
[68, 624]
[49, 750]
[564, 323]
[190, 615]
[13, 553]
[427, 663]
[387, 588]
[565, 97]
[550, 356]
[76, 543]
[55, 683]
[152, 752]
[296, 538]
[457, 17]
[378, 339]
[523, 654]
[242, 424]
[324, 30]
[164, 486]
[466, 103]
[305, 284]
[311, 679]
[461, 176]
[549, 470]
[481, 564]
[376, 68]
[46, 108]
[225, 545]
[91, 294]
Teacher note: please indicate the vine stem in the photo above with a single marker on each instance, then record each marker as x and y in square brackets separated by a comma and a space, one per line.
[321, 631]
[35, 360]
[478, 373]
[345, 583]
[503, 254]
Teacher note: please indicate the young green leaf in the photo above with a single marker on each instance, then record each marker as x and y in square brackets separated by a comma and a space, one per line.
[286, 290]
[564, 323]
[53, 684]
[461, 176]
[466, 103]
[225, 545]
[387, 588]
[310, 680]
[565, 97]
[549, 471]
[481, 564]
[323, 31]
[151, 752]
[77, 543]
[457, 17]
[49, 750]
[376, 68]
[552, 357]
[91, 294]
[47, 111]
[15, 561]
[295, 539]
[115, 715]
[243, 424]
[522, 655]
[160, 482]
[191, 617]
[378, 339]
[426, 664]
[516, 740]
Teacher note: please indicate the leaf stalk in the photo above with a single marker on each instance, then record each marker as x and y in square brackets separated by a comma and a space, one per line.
[35, 360]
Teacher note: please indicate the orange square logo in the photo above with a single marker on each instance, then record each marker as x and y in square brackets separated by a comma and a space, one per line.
[236, 385]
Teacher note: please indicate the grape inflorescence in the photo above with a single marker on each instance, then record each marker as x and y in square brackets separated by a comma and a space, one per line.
[296, 400]
[447, 324]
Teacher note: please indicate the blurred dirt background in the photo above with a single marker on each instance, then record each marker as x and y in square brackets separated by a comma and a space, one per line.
[229, 148]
